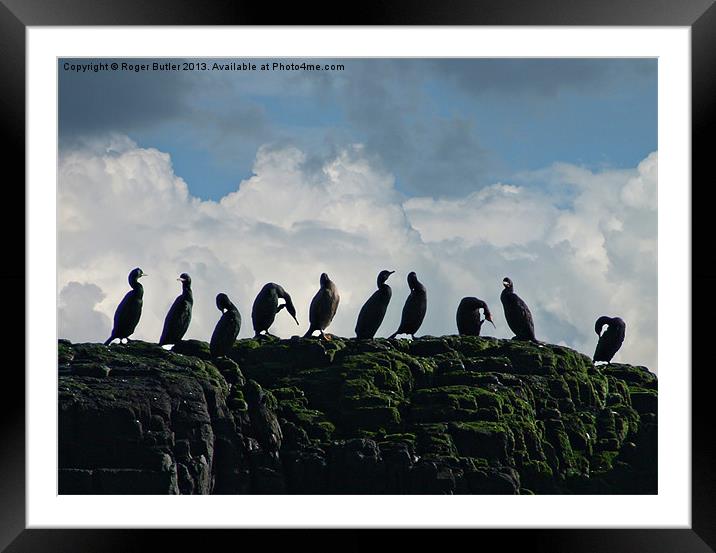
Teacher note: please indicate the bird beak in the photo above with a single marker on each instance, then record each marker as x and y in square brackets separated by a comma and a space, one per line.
[390, 272]
[295, 319]
[182, 279]
[493, 324]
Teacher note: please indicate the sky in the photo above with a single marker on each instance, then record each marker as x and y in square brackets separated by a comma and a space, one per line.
[463, 170]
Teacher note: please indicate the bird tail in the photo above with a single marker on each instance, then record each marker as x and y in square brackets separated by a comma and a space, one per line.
[392, 336]
[109, 340]
[310, 331]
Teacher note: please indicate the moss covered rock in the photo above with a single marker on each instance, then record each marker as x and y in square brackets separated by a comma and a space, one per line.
[444, 414]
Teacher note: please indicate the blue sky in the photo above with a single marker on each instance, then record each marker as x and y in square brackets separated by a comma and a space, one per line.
[442, 127]
[463, 170]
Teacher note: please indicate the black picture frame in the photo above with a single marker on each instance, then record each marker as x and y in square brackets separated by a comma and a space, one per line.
[16, 15]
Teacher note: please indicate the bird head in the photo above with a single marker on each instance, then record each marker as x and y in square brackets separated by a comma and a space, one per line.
[222, 301]
[507, 283]
[291, 309]
[136, 274]
[412, 279]
[324, 279]
[184, 278]
[488, 315]
[383, 276]
[599, 325]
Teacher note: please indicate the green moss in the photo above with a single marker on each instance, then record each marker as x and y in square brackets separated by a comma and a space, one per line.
[602, 462]
[468, 403]
[490, 440]
[633, 376]
[404, 437]
[643, 400]
[434, 439]
[65, 353]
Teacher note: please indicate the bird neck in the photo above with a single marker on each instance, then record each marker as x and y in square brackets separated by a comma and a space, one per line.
[186, 291]
[138, 288]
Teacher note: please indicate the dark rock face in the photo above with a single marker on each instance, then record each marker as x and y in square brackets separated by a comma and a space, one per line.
[437, 415]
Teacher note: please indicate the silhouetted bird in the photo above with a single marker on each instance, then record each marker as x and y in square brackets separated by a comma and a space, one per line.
[227, 329]
[468, 316]
[323, 306]
[129, 310]
[177, 320]
[266, 307]
[612, 339]
[517, 314]
[414, 309]
[373, 311]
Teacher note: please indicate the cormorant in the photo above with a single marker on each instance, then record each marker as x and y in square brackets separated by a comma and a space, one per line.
[227, 329]
[266, 307]
[468, 316]
[177, 321]
[126, 317]
[414, 309]
[323, 306]
[373, 311]
[612, 339]
[517, 314]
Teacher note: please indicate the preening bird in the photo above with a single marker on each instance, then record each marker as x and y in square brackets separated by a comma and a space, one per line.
[323, 307]
[373, 311]
[227, 329]
[414, 309]
[266, 307]
[177, 320]
[129, 310]
[612, 338]
[517, 314]
[468, 316]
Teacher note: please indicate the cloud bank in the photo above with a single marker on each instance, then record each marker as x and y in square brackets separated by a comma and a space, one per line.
[578, 244]
[453, 125]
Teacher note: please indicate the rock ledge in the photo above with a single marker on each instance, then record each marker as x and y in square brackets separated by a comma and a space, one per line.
[437, 415]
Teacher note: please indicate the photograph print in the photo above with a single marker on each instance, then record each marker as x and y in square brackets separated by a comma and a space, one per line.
[357, 276]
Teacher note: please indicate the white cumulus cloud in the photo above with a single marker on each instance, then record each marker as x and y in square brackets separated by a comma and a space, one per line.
[587, 250]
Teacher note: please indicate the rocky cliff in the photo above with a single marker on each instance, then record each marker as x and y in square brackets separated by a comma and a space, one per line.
[436, 415]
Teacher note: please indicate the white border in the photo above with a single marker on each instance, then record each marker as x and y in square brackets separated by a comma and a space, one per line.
[670, 508]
